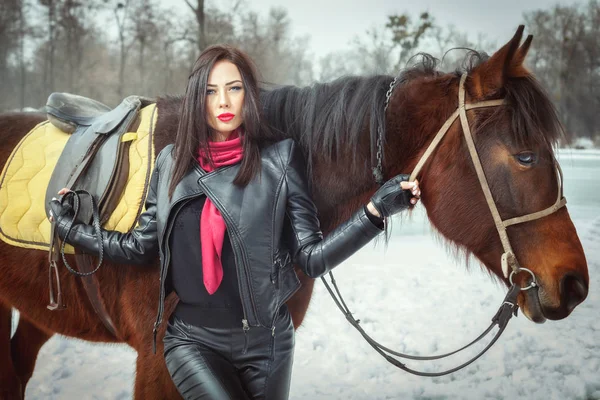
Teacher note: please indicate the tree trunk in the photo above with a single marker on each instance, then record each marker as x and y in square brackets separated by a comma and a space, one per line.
[141, 88]
[22, 85]
[201, 26]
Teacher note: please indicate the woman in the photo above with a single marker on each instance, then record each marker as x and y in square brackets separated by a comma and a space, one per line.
[229, 213]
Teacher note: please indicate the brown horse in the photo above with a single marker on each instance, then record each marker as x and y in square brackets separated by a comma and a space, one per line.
[332, 122]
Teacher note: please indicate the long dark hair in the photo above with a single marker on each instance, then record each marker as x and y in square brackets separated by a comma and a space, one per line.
[193, 131]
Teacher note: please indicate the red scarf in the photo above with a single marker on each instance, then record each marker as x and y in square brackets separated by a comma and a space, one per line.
[212, 226]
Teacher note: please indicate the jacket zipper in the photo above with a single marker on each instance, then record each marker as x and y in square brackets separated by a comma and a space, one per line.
[246, 328]
[278, 267]
[245, 325]
[273, 340]
[163, 272]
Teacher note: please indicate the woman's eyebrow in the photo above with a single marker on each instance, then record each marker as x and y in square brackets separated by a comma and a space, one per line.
[228, 83]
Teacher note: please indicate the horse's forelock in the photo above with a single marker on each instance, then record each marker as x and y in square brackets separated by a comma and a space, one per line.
[534, 118]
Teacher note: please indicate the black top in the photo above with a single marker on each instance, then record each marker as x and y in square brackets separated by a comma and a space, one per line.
[222, 309]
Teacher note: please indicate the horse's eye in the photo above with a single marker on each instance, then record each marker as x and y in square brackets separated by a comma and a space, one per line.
[527, 158]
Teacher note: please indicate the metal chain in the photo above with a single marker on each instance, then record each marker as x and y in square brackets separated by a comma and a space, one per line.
[388, 94]
[378, 170]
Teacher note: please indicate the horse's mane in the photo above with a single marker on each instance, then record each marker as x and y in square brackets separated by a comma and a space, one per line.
[324, 117]
[328, 117]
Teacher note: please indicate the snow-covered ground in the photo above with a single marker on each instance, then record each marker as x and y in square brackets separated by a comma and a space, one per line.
[414, 298]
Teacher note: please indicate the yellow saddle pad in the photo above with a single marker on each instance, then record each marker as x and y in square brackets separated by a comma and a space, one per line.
[26, 174]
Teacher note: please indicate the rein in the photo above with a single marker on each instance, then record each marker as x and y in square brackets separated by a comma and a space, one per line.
[509, 306]
[95, 223]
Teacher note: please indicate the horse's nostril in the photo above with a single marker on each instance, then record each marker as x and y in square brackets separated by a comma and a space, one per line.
[573, 290]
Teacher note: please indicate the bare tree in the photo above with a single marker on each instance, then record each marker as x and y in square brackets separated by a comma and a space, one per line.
[14, 31]
[383, 50]
[52, 6]
[375, 54]
[66, 31]
[280, 58]
[9, 11]
[334, 65]
[145, 32]
[566, 58]
[407, 35]
[176, 39]
[220, 25]
[72, 14]
[197, 8]
[25, 31]
[121, 12]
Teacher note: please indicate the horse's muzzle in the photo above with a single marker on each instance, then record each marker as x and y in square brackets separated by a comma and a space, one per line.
[573, 290]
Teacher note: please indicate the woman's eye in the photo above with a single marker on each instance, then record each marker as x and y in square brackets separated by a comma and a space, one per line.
[235, 88]
[527, 158]
[210, 91]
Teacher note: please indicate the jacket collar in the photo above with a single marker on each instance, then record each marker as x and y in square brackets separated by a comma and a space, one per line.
[190, 183]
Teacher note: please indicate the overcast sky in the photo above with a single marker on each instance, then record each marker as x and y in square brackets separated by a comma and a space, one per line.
[332, 24]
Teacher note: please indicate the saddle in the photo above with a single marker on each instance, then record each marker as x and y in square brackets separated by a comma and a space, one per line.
[95, 161]
[95, 157]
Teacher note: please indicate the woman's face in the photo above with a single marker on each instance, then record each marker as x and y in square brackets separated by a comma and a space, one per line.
[224, 99]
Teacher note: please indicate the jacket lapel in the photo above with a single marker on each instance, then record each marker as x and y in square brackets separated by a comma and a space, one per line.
[216, 185]
[219, 188]
[188, 186]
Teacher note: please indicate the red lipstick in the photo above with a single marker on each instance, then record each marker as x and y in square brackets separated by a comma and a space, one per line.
[226, 117]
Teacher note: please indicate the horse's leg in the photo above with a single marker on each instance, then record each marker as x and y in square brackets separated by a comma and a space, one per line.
[10, 384]
[298, 303]
[25, 346]
[152, 379]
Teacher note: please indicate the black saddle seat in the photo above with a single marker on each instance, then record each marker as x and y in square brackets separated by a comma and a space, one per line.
[73, 110]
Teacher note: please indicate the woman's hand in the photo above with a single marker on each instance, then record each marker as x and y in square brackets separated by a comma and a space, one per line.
[395, 195]
[57, 208]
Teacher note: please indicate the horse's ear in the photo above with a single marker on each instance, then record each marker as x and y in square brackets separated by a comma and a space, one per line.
[506, 62]
[519, 57]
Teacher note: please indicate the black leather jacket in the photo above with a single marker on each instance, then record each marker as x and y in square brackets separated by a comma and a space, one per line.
[272, 224]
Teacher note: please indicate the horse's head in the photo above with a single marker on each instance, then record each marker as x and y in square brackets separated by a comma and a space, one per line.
[514, 142]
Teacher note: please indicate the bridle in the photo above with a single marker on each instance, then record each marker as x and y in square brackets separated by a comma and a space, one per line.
[508, 260]
[508, 257]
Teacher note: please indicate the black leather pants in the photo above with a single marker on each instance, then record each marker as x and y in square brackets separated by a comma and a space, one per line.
[226, 363]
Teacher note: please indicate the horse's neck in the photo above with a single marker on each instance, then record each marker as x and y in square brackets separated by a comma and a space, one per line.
[410, 129]
[412, 126]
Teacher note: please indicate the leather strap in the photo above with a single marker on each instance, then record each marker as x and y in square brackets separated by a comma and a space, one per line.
[508, 308]
[55, 302]
[479, 169]
[92, 289]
